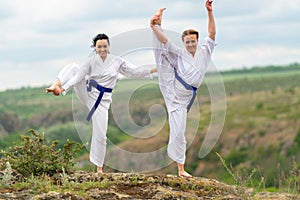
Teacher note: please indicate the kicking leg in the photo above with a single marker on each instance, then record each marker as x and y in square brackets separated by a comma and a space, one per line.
[64, 75]
[158, 15]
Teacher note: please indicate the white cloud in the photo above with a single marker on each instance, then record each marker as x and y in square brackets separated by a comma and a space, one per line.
[45, 35]
[250, 56]
[43, 11]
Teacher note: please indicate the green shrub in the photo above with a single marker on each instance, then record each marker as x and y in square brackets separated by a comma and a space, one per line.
[62, 132]
[259, 106]
[297, 138]
[35, 156]
[262, 133]
[235, 157]
[295, 148]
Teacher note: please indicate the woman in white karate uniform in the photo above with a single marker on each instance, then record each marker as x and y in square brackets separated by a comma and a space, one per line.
[93, 82]
[180, 73]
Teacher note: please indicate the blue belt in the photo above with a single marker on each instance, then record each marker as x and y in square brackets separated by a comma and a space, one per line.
[93, 83]
[188, 87]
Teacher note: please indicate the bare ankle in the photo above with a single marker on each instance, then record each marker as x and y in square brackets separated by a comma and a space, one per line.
[99, 170]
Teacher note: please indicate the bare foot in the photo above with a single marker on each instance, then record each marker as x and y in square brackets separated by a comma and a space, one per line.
[55, 89]
[158, 16]
[160, 11]
[99, 170]
[184, 174]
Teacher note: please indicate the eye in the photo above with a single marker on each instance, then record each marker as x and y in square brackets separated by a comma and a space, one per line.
[104, 46]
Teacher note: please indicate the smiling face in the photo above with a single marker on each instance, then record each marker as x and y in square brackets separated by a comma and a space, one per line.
[102, 48]
[190, 42]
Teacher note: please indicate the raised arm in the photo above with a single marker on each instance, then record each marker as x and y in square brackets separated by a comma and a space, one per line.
[155, 22]
[211, 20]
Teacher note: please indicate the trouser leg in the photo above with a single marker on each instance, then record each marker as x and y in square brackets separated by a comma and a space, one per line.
[99, 119]
[177, 142]
[98, 143]
[166, 75]
[82, 93]
[67, 73]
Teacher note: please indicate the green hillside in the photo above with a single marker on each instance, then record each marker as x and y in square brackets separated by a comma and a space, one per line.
[262, 126]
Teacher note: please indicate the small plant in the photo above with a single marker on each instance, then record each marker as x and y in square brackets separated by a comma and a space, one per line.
[134, 178]
[289, 182]
[7, 175]
[64, 177]
[228, 170]
[35, 156]
[245, 179]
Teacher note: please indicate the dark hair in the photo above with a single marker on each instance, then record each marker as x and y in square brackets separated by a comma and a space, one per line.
[189, 32]
[100, 36]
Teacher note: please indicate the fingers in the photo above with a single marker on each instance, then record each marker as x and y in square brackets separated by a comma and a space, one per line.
[209, 2]
[155, 20]
[208, 5]
[155, 17]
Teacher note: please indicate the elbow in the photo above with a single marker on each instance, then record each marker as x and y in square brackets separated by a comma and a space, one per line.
[212, 34]
[164, 41]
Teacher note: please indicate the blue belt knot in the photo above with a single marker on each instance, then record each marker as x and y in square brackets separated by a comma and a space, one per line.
[188, 87]
[92, 83]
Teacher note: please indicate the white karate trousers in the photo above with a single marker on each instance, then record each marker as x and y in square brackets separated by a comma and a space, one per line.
[99, 118]
[176, 99]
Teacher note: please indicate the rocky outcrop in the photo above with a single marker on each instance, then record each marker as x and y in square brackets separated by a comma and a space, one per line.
[137, 186]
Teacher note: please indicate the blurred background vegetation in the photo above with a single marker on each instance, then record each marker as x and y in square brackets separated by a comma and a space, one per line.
[262, 126]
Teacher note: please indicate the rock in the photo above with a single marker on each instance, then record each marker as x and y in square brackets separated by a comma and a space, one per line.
[87, 185]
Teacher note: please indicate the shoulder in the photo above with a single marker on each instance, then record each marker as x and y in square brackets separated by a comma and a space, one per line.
[171, 46]
[92, 55]
[114, 58]
[207, 39]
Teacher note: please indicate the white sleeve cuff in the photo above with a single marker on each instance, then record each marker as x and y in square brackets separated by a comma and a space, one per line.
[211, 41]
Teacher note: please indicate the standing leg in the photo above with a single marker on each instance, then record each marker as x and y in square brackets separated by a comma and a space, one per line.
[177, 141]
[99, 119]
[98, 143]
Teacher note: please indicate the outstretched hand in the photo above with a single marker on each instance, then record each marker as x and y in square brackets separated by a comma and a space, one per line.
[157, 17]
[208, 5]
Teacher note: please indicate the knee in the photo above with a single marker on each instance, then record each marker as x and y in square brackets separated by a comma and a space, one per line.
[74, 68]
[180, 138]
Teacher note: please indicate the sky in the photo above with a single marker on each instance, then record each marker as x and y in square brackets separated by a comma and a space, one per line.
[39, 37]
